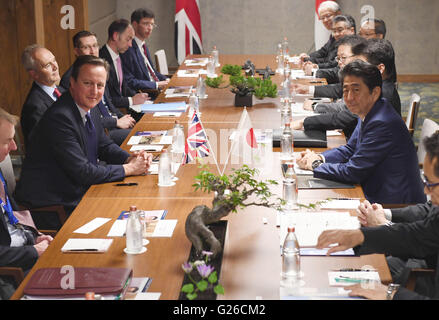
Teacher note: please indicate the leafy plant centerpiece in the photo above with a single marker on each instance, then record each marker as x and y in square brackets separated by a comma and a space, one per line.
[243, 85]
[231, 193]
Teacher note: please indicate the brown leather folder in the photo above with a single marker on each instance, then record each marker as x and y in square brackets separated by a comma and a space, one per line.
[50, 282]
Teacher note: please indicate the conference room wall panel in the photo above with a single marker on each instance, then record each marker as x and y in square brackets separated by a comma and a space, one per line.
[256, 26]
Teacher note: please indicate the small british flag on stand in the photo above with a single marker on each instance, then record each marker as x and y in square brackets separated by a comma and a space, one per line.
[196, 143]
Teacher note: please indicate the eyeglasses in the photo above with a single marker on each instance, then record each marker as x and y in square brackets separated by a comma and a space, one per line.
[149, 24]
[340, 59]
[427, 184]
[338, 30]
[327, 16]
[365, 35]
[94, 46]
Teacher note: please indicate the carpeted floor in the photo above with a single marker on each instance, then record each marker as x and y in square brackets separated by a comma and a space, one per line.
[429, 108]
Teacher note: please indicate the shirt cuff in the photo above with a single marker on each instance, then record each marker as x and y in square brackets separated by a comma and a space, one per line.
[130, 100]
[323, 157]
[311, 90]
[388, 214]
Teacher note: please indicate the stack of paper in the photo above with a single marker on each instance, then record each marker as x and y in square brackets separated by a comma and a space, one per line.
[348, 278]
[87, 245]
[309, 225]
[164, 107]
[177, 92]
[202, 62]
[190, 73]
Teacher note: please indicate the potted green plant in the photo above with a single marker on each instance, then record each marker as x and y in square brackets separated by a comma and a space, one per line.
[244, 87]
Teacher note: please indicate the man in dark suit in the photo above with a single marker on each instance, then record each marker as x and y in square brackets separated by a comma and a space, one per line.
[118, 125]
[20, 243]
[327, 11]
[413, 235]
[137, 62]
[120, 36]
[42, 67]
[69, 147]
[336, 115]
[380, 155]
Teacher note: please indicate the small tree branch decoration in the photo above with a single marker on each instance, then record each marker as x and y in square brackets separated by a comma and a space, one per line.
[231, 193]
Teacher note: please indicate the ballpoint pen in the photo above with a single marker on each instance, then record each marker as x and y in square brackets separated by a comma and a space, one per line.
[347, 279]
[354, 270]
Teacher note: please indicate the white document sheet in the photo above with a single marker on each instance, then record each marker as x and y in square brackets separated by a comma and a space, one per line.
[348, 278]
[118, 229]
[167, 114]
[92, 225]
[341, 204]
[146, 147]
[165, 228]
[86, 245]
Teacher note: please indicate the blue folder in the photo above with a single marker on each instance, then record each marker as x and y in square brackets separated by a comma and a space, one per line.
[164, 107]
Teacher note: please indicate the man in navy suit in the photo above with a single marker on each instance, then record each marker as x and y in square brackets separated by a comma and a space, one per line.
[380, 155]
[69, 147]
[42, 67]
[117, 124]
[120, 36]
[413, 235]
[141, 74]
[20, 243]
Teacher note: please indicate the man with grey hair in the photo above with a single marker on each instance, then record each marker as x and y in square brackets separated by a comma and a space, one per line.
[327, 11]
[20, 243]
[43, 69]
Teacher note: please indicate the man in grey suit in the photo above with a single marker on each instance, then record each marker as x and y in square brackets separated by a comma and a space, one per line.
[42, 67]
[69, 147]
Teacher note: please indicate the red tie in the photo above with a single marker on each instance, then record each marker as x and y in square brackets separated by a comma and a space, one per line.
[56, 93]
[151, 72]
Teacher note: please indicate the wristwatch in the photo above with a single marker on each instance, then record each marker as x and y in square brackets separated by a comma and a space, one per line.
[316, 163]
[391, 289]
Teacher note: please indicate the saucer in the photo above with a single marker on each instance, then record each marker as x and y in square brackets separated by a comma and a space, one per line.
[141, 251]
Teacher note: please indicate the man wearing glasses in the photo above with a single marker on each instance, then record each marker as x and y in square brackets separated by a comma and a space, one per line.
[327, 11]
[113, 120]
[137, 62]
[411, 232]
[373, 29]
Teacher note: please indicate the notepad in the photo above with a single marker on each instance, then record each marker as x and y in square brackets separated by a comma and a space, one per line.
[87, 245]
[167, 114]
[146, 147]
[164, 228]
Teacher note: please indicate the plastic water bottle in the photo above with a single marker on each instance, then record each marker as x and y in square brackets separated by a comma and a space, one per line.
[285, 115]
[215, 55]
[291, 190]
[201, 88]
[165, 174]
[134, 232]
[291, 257]
[280, 59]
[178, 138]
[286, 143]
[193, 103]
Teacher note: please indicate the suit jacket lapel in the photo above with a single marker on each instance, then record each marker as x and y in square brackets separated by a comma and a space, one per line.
[140, 60]
[48, 101]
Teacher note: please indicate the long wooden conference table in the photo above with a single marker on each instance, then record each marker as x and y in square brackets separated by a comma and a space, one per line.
[251, 262]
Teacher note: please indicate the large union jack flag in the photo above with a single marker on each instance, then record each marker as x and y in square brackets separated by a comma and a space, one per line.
[188, 39]
[196, 142]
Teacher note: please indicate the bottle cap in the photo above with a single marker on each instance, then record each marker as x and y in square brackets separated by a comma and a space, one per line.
[133, 208]
[290, 165]
[164, 150]
[291, 229]
[287, 124]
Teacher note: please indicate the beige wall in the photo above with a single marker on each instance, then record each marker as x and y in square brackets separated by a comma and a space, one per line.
[256, 26]
[101, 14]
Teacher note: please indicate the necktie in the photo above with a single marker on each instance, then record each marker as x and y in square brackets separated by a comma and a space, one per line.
[92, 141]
[119, 72]
[5, 203]
[151, 72]
[56, 93]
[103, 109]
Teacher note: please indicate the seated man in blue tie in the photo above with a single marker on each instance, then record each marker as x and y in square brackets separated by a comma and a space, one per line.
[137, 62]
[69, 147]
[42, 67]
[117, 124]
[380, 155]
[20, 243]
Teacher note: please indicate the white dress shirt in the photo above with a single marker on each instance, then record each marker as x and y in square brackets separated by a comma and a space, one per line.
[114, 57]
